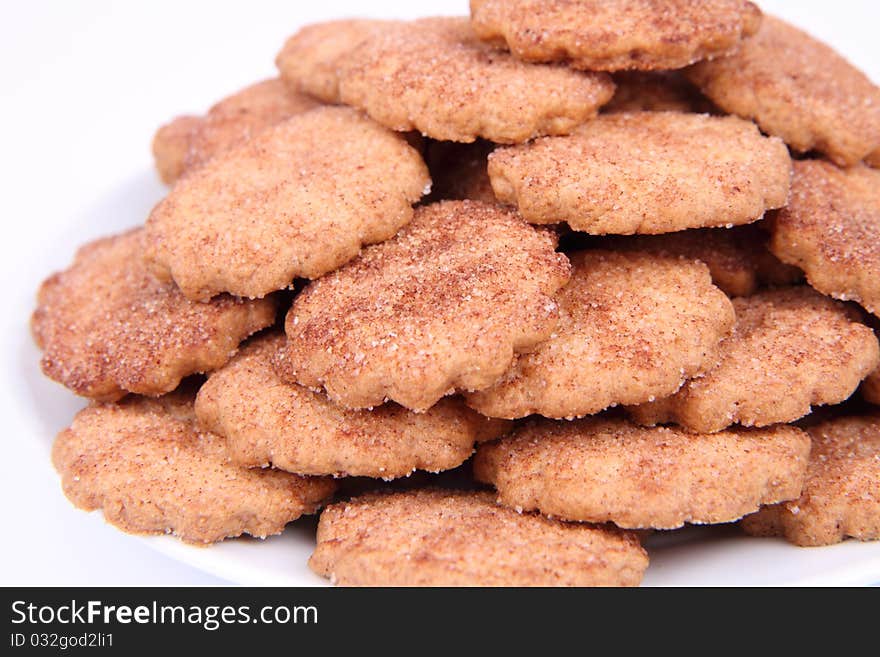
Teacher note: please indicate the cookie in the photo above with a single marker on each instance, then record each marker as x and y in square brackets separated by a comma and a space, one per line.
[297, 200]
[841, 496]
[458, 171]
[790, 349]
[633, 327]
[431, 537]
[645, 172]
[309, 60]
[444, 306]
[171, 145]
[268, 422]
[151, 470]
[831, 230]
[664, 91]
[614, 35]
[188, 142]
[434, 76]
[107, 326]
[600, 469]
[799, 89]
[738, 257]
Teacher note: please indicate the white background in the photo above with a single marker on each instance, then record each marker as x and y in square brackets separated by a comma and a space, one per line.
[84, 86]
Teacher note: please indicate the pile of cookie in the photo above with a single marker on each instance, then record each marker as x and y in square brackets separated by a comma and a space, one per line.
[617, 250]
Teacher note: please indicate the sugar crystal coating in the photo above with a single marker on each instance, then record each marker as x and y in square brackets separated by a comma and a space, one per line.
[602, 469]
[150, 469]
[298, 200]
[268, 422]
[633, 327]
[613, 35]
[841, 495]
[432, 537]
[831, 230]
[309, 60]
[799, 89]
[645, 172]
[107, 326]
[790, 349]
[432, 75]
[444, 306]
[187, 142]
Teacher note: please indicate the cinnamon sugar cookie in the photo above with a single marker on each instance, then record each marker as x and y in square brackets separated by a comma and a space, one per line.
[612, 35]
[645, 172]
[298, 200]
[738, 257]
[457, 538]
[443, 306]
[841, 496]
[171, 144]
[268, 422]
[107, 326]
[151, 470]
[831, 230]
[187, 142]
[633, 327]
[434, 76]
[599, 470]
[799, 89]
[309, 60]
[790, 349]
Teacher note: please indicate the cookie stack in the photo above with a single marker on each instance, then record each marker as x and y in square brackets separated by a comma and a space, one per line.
[618, 249]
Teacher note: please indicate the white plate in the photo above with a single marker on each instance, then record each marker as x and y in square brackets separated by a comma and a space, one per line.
[84, 92]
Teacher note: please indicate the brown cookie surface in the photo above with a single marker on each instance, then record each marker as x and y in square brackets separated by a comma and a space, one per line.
[831, 230]
[612, 35]
[298, 200]
[107, 326]
[188, 142]
[738, 258]
[443, 306]
[268, 422]
[309, 60]
[632, 328]
[171, 144]
[600, 470]
[790, 349]
[145, 463]
[645, 172]
[841, 496]
[431, 537]
[799, 89]
[434, 76]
